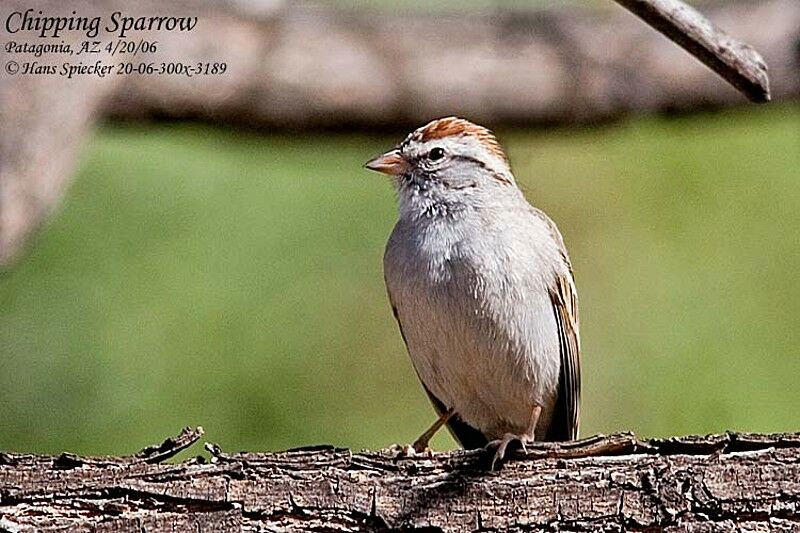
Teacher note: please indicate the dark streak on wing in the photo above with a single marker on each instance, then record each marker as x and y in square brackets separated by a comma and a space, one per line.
[466, 435]
[564, 424]
[564, 298]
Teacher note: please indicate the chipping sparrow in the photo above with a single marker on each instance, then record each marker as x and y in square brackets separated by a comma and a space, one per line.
[482, 288]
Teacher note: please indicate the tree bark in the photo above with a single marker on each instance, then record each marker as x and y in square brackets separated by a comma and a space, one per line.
[728, 482]
[737, 62]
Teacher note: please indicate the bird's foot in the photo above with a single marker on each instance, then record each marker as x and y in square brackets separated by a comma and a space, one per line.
[408, 451]
[501, 447]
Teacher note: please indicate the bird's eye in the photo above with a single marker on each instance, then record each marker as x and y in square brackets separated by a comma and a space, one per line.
[436, 154]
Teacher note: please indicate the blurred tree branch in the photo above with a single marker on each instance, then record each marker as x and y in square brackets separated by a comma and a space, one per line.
[724, 482]
[737, 62]
[298, 67]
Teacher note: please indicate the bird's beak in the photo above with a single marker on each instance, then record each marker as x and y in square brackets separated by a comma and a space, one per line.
[391, 163]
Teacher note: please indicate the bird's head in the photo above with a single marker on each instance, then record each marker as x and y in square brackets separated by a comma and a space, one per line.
[446, 164]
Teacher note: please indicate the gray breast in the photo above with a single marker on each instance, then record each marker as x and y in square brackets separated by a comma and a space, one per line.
[477, 321]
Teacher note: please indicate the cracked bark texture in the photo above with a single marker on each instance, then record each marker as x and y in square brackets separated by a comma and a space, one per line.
[730, 482]
[303, 66]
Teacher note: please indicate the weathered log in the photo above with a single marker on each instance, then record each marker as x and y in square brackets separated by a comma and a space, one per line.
[729, 482]
[296, 66]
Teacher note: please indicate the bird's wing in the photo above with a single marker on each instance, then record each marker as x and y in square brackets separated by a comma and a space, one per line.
[564, 424]
[564, 298]
[466, 435]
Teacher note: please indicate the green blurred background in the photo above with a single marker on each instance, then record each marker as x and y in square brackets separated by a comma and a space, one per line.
[203, 276]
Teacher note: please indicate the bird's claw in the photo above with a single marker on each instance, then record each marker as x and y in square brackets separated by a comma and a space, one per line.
[500, 447]
[408, 451]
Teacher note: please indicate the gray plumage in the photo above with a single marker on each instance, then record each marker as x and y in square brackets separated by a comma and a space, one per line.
[482, 288]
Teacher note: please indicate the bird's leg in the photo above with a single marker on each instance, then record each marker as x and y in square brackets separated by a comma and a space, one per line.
[501, 445]
[421, 444]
